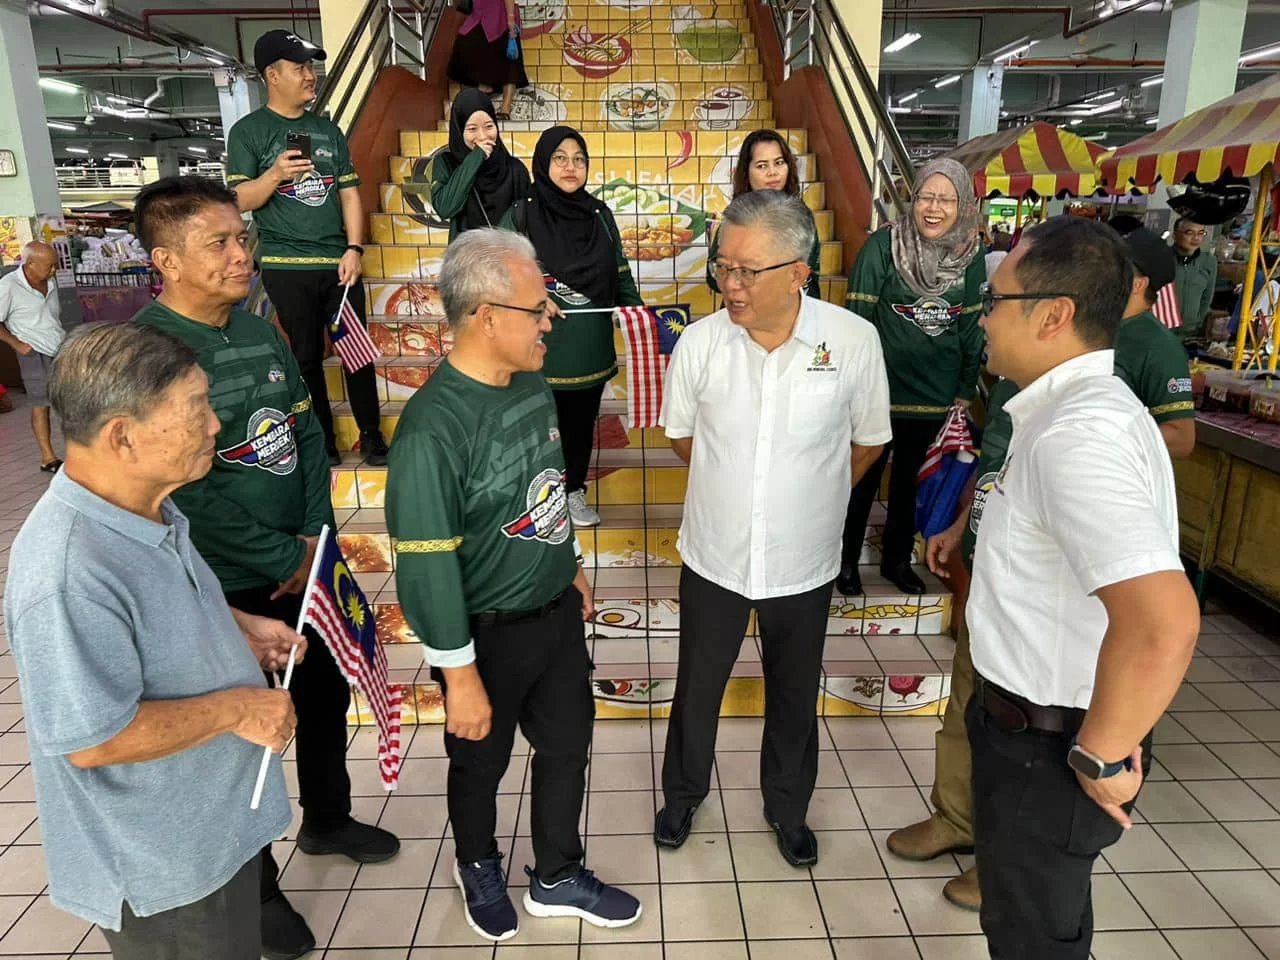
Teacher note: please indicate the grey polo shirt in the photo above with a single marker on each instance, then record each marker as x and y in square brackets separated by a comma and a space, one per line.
[106, 608]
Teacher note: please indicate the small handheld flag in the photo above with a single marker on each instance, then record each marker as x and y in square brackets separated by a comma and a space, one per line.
[350, 339]
[650, 335]
[1166, 308]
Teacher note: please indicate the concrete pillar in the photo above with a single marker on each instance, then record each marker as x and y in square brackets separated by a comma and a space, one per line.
[166, 160]
[34, 191]
[1205, 37]
[980, 92]
[237, 96]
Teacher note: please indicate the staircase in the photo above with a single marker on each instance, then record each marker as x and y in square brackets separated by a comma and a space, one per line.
[664, 95]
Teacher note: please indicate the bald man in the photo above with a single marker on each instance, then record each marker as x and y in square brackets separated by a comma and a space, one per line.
[30, 323]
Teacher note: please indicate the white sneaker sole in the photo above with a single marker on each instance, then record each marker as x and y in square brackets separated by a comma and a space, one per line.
[592, 521]
[545, 910]
[457, 878]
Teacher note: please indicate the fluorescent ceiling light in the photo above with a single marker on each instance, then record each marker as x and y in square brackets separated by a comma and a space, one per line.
[118, 156]
[909, 97]
[1100, 96]
[79, 150]
[1015, 51]
[1260, 54]
[902, 42]
[1152, 81]
[899, 109]
[120, 100]
[62, 86]
[59, 125]
[1097, 136]
[1075, 123]
[1153, 121]
[1106, 107]
[198, 150]
[946, 81]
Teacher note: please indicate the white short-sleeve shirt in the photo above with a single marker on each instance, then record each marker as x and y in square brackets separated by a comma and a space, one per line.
[31, 316]
[1085, 499]
[770, 472]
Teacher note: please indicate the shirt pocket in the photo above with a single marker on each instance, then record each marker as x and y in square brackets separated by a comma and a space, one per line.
[815, 407]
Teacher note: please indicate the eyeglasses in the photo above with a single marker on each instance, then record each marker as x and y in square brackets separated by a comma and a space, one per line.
[745, 276]
[933, 199]
[539, 312]
[562, 160]
[989, 297]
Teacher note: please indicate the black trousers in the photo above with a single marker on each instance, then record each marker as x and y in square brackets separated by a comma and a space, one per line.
[222, 926]
[911, 439]
[1036, 835]
[713, 621]
[577, 411]
[305, 302]
[321, 696]
[538, 676]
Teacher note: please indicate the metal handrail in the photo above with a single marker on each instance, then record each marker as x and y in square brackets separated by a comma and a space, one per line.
[814, 23]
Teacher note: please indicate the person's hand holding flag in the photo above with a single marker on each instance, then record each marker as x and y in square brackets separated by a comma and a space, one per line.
[270, 640]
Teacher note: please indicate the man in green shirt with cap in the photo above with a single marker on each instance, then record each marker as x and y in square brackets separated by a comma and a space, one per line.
[1195, 276]
[293, 170]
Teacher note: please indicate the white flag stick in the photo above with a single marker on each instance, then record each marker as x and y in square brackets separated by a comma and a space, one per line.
[589, 310]
[293, 654]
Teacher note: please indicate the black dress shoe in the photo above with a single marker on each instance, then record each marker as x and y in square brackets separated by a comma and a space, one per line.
[903, 577]
[672, 825]
[359, 841]
[849, 583]
[285, 935]
[374, 448]
[335, 458]
[799, 847]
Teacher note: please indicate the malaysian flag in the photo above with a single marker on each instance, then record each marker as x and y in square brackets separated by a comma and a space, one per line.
[1166, 307]
[337, 608]
[650, 334]
[350, 338]
[949, 462]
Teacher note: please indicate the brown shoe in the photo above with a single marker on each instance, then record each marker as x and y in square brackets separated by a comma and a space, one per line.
[928, 839]
[963, 891]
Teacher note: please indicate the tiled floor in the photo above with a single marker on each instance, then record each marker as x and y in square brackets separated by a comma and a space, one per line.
[1197, 877]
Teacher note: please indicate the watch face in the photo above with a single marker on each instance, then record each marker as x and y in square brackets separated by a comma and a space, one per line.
[1084, 764]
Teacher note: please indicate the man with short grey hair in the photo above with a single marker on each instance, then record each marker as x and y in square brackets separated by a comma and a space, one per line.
[142, 691]
[487, 573]
[778, 403]
[30, 323]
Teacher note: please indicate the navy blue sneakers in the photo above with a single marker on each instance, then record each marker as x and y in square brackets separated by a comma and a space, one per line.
[582, 896]
[485, 901]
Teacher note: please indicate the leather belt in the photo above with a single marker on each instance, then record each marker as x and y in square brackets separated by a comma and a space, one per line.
[500, 618]
[1017, 714]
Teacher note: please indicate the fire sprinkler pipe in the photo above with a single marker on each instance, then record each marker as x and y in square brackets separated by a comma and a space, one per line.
[1069, 29]
[92, 68]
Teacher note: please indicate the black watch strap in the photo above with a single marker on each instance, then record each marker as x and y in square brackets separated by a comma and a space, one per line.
[356, 247]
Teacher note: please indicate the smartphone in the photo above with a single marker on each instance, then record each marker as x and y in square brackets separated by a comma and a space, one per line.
[299, 141]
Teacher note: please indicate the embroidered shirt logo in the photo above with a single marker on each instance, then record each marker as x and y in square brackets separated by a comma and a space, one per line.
[1179, 385]
[933, 315]
[275, 375]
[547, 516]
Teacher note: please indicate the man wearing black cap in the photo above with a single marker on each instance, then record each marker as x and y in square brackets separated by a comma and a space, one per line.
[1149, 357]
[293, 170]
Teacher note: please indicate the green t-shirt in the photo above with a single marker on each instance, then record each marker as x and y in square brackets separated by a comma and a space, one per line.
[932, 345]
[476, 505]
[1194, 280]
[813, 288]
[1151, 360]
[995, 444]
[270, 476]
[580, 349]
[300, 227]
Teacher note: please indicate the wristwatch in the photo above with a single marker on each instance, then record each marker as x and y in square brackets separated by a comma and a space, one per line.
[356, 247]
[1087, 765]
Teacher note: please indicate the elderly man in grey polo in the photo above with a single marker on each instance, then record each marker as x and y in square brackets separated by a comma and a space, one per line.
[144, 699]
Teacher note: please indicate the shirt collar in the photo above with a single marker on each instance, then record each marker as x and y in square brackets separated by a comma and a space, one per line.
[805, 328]
[22, 281]
[1046, 387]
[123, 521]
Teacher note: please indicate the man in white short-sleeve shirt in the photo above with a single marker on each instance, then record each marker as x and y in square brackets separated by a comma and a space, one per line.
[778, 403]
[1081, 620]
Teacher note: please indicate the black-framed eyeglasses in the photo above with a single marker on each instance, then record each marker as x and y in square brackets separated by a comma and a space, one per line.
[531, 311]
[989, 298]
[744, 275]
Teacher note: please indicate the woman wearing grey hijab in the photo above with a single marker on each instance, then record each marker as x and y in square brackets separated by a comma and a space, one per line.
[919, 282]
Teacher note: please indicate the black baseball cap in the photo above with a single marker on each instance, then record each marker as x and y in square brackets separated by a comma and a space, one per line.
[1152, 256]
[282, 45]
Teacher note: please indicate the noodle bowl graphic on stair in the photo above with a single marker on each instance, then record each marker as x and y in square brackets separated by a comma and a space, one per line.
[595, 56]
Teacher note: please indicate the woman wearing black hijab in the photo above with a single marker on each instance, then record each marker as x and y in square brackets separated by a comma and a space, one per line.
[578, 245]
[476, 181]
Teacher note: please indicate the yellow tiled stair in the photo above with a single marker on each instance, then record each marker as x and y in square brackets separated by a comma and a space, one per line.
[670, 116]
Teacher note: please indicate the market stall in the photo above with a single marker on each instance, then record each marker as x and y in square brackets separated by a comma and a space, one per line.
[1229, 489]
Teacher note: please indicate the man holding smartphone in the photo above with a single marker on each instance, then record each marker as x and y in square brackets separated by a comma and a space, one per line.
[292, 169]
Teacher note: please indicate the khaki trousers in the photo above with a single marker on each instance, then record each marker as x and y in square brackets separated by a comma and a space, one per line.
[953, 770]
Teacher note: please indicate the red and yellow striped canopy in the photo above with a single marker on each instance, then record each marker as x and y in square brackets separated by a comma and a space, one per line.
[1239, 135]
[1038, 157]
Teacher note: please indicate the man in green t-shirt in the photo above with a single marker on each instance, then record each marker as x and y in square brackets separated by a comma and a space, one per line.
[487, 574]
[1149, 356]
[256, 514]
[1195, 277]
[293, 170]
